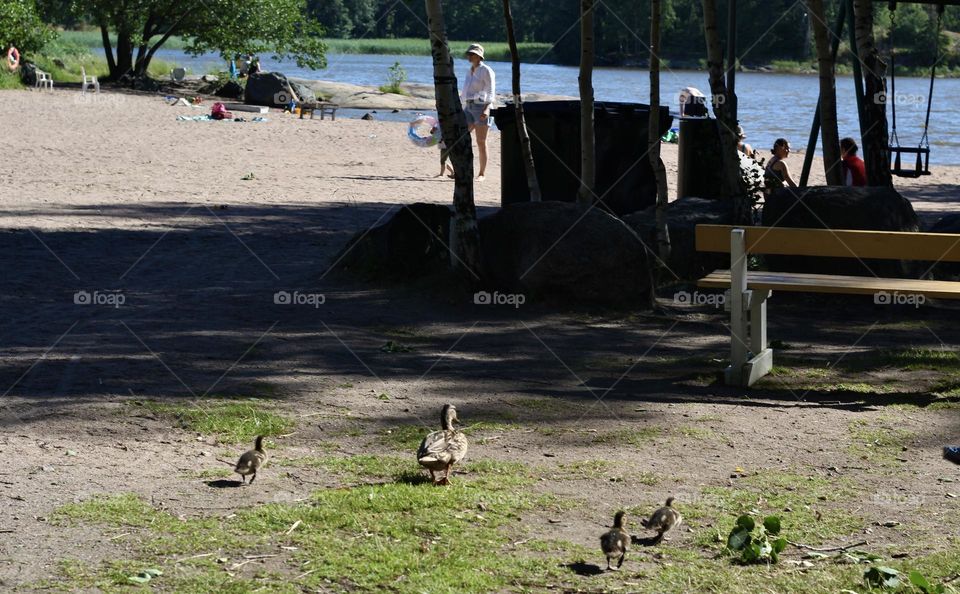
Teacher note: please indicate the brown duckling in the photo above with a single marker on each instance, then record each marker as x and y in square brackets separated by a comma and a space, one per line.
[251, 461]
[663, 519]
[440, 450]
[614, 543]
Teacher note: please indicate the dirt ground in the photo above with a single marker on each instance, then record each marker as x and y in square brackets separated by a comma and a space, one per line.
[115, 198]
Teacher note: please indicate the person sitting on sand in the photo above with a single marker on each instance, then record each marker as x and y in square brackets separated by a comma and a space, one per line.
[777, 173]
[742, 146]
[854, 170]
[479, 93]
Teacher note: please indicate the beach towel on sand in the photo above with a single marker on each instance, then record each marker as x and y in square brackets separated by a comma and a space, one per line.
[207, 118]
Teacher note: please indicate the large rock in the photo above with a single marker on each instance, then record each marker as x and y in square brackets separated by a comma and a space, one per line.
[267, 88]
[553, 251]
[683, 216]
[947, 270]
[230, 90]
[839, 207]
[304, 93]
[412, 243]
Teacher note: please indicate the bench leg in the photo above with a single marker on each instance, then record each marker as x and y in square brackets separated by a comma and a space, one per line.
[762, 361]
[739, 334]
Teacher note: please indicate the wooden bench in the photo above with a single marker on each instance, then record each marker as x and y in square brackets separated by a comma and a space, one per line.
[750, 355]
[324, 107]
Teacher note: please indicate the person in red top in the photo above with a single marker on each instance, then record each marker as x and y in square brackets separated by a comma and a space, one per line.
[854, 172]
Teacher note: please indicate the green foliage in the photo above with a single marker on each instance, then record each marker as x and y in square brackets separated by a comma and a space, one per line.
[280, 27]
[396, 76]
[756, 547]
[879, 576]
[21, 26]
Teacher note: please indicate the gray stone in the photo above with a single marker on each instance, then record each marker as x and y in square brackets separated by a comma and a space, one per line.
[552, 251]
[947, 270]
[840, 207]
[231, 90]
[683, 216]
[411, 244]
[267, 88]
[304, 93]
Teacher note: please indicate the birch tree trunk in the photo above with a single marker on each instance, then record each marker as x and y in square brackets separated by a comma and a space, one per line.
[875, 138]
[653, 134]
[464, 233]
[588, 157]
[829, 134]
[732, 186]
[526, 151]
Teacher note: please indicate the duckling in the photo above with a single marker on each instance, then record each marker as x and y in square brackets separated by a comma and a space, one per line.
[442, 449]
[614, 543]
[663, 519]
[251, 461]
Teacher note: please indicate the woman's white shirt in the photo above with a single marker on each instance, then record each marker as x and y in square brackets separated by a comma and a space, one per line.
[480, 84]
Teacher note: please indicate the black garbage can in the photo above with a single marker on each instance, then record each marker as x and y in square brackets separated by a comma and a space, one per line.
[625, 179]
[699, 165]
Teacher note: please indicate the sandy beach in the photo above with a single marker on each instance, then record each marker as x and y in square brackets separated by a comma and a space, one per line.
[74, 154]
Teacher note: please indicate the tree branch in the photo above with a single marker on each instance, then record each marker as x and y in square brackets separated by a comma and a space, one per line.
[827, 549]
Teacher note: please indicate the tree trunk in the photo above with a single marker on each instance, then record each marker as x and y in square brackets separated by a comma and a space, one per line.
[526, 151]
[588, 156]
[464, 233]
[732, 185]
[124, 63]
[108, 49]
[653, 134]
[875, 137]
[829, 135]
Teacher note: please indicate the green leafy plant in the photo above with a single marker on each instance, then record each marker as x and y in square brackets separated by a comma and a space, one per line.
[880, 576]
[921, 583]
[756, 547]
[396, 76]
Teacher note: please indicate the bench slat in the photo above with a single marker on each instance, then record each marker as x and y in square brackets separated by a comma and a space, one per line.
[836, 243]
[830, 283]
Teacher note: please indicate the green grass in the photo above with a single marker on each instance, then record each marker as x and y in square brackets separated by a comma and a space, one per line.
[411, 535]
[9, 80]
[906, 359]
[880, 443]
[231, 420]
[772, 492]
[629, 436]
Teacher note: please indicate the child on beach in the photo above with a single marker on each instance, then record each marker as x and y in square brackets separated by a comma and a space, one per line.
[444, 155]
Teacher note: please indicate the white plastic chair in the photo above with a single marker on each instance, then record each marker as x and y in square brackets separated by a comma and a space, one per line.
[178, 74]
[88, 81]
[43, 80]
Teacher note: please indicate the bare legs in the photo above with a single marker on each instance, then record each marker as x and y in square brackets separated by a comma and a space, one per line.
[481, 132]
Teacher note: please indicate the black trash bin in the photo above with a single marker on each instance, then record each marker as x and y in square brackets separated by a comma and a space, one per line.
[625, 179]
[699, 165]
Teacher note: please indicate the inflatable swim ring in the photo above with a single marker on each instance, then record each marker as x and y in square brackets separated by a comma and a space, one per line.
[13, 59]
[424, 131]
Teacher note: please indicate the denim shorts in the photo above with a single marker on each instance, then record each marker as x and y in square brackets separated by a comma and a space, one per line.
[473, 112]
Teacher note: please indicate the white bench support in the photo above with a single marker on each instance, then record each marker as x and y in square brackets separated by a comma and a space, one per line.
[750, 358]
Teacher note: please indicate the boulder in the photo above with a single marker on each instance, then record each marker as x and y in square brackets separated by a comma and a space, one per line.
[231, 90]
[683, 216]
[304, 93]
[947, 270]
[840, 207]
[267, 88]
[412, 243]
[555, 252]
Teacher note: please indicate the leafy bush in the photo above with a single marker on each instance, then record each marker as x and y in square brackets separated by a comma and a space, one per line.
[756, 547]
[395, 77]
[20, 25]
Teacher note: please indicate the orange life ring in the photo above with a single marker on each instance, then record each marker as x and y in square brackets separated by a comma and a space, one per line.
[13, 59]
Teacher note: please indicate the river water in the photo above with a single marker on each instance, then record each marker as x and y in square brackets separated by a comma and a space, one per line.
[770, 105]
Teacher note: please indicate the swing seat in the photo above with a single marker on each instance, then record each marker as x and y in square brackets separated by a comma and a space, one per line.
[922, 166]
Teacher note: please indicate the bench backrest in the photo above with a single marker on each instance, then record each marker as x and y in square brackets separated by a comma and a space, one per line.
[835, 243]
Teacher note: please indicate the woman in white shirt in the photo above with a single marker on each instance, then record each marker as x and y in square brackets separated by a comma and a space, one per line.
[479, 93]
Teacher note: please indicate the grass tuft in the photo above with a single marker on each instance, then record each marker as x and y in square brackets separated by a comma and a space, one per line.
[232, 421]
